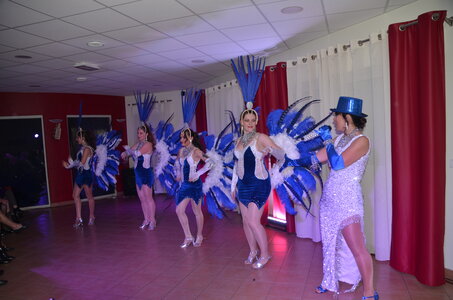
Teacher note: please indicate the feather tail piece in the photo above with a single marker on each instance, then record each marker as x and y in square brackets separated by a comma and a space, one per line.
[190, 100]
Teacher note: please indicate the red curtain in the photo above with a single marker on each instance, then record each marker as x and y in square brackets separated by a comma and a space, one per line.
[202, 125]
[273, 94]
[200, 113]
[417, 76]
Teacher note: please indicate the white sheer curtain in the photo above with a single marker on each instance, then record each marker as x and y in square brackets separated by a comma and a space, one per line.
[361, 70]
[219, 99]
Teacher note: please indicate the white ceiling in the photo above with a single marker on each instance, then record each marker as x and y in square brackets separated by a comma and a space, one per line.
[155, 45]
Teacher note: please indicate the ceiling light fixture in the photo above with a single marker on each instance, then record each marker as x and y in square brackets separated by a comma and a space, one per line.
[95, 44]
[81, 78]
[291, 10]
[198, 61]
[86, 66]
[23, 56]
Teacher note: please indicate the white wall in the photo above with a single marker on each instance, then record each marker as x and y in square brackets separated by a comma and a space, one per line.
[449, 111]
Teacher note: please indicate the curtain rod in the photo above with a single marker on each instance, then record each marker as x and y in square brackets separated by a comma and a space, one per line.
[345, 47]
[434, 17]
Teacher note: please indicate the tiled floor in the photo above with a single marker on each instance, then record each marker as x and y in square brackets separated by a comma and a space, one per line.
[116, 260]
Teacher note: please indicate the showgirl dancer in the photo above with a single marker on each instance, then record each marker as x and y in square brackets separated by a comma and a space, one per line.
[96, 162]
[189, 156]
[141, 153]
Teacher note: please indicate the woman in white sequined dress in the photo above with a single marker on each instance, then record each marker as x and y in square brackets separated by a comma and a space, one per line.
[345, 257]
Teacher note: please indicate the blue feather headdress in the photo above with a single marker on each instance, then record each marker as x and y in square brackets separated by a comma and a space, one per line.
[144, 106]
[249, 81]
[189, 101]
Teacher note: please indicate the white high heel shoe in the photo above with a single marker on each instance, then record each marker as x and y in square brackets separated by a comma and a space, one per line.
[261, 262]
[253, 255]
[186, 243]
[144, 224]
[152, 225]
[78, 223]
[198, 241]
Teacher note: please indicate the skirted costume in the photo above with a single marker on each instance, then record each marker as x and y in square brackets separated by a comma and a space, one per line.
[142, 168]
[189, 189]
[85, 175]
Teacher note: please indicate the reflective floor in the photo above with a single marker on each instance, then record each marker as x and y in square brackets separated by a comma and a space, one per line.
[115, 260]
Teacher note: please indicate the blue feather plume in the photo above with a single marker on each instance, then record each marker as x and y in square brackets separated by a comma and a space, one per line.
[209, 141]
[300, 113]
[145, 105]
[249, 81]
[225, 142]
[223, 198]
[272, 121]
[190, 100]
[303, 126]
[285, 199]
[212, 205]
[235, 125]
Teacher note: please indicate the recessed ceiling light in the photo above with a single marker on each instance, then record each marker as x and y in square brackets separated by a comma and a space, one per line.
[95, 44]
[81, 78]
[23, 56]
[291, 10]
[198, 61]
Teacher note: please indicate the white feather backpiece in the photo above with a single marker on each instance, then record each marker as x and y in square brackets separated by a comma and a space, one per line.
[215, 173]
[277, 177]
[101, 152]
[164, 157]
[288, 144]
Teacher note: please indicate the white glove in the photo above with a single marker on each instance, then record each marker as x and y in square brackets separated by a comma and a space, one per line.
[207, 166]
[73, 163]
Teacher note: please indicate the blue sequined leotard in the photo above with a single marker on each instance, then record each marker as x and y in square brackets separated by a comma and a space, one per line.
[144, 174]
[84, 175]
[254, 185]
[189, 189]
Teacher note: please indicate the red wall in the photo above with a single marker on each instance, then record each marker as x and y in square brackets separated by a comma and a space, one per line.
[58, 106]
